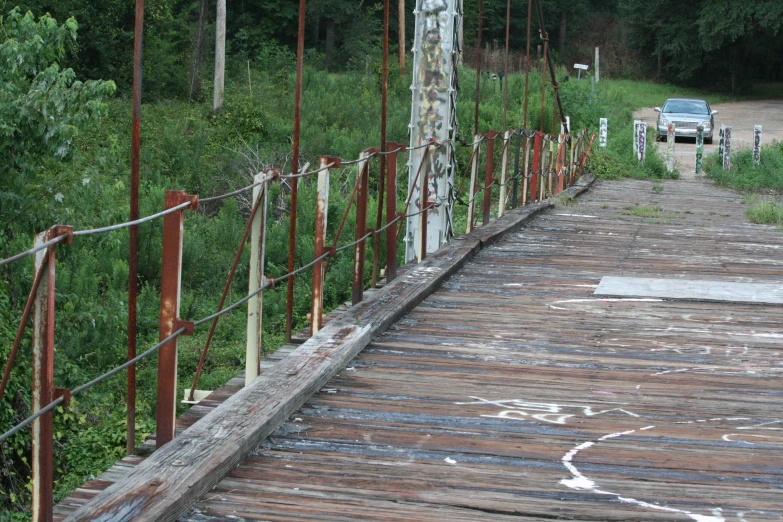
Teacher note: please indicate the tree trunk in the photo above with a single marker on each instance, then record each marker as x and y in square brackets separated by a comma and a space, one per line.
[401, 23]
[563, 23]
[329, 42]
[198, 48]
[220, 55]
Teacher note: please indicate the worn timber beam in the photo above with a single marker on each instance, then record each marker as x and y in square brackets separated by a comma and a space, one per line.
[178, 474]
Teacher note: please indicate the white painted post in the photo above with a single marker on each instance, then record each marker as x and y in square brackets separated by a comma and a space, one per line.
[602, 133]
[220, 55]
[636, 124]
[670, 139]
[756, 145]
[727, 148]
[642, 142]
[568, 124]
[255, 305]
[504, 173]
[597, 68]
[473, 174]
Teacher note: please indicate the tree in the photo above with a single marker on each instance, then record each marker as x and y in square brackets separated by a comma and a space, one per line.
[42, 109]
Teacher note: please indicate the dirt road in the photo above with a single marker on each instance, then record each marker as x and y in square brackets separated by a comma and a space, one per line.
[741, 116]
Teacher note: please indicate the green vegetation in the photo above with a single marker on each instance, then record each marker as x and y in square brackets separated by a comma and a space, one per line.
[744, 175]
[764, 211]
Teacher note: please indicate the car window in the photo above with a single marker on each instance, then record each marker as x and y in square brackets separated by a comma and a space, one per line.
[686, 106]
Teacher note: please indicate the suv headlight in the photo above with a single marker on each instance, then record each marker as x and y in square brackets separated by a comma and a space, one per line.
[706, 124]
[663, 120]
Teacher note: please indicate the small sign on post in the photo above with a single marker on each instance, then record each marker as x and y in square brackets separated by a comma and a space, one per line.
[670, 148]
[642, 146]
[580, 67]
[699, 148]
[727, 148]
[756, 145]
[602, 132]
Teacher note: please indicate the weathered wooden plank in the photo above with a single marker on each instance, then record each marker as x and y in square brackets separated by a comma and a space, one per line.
[690, 290]
[164, 485]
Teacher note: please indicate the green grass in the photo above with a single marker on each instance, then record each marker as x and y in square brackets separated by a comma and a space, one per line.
[747, 177]
[765, 212]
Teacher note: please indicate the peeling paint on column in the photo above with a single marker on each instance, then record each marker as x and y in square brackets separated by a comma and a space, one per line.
[433, 116]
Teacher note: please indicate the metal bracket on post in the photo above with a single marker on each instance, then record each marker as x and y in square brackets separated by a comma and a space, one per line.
[171, 272]
[321, 212]
[256, 279]
[488, 171]
[361, 224]
[391, 210]
[473, 175]
[504, 173]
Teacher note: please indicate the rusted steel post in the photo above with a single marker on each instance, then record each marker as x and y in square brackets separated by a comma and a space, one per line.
[133, 247]
[289, 310]
[361, 225]
[43, 383]
[526, 171]
[504, 173]
[515, 183]
[391, 210]
[478, 66]
[488, 171]
[543, 82]
[256, 279]
[171, 272]
[536, 162]
[473, 175]
[321, 213]
[382, 177]
[505, 67]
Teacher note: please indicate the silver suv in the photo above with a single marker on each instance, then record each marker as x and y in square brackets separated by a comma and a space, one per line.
[686, 114]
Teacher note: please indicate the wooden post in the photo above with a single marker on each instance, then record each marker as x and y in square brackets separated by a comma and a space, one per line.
[597, 67]
[220, 56]
[43, 384]
[526, 169]
[727, 148]
[642, 142]
[473, 175]
[560, 165]
[361, 225]
[391, 210]
[602, 133]
[255, 306]
[171, 273]
[504, 173]
[670, 136]
[515, 184]
[551, 174]
[488, 171]
[756, 145]
[321, 213]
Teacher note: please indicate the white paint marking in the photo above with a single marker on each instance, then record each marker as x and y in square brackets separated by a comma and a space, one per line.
[450, 461]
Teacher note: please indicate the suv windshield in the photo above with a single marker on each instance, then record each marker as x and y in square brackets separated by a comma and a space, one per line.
[686, 106]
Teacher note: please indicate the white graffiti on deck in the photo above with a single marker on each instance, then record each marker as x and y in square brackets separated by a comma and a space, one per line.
[520, 409]
[580, 482]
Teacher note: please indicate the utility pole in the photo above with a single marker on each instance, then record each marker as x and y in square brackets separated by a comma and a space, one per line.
[220, 55]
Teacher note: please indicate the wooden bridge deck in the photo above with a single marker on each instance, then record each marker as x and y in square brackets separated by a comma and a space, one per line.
[512, 391]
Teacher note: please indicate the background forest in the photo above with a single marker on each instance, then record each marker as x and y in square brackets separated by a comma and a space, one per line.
[65, 85]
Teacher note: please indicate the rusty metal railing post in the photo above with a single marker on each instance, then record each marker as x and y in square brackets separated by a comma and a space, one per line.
[171, 272]
[488, 171]
[321, 212]
[537, 149]
[361, 225]
[391, 210]
[504, 173]
[473, 175]
[256, 279]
